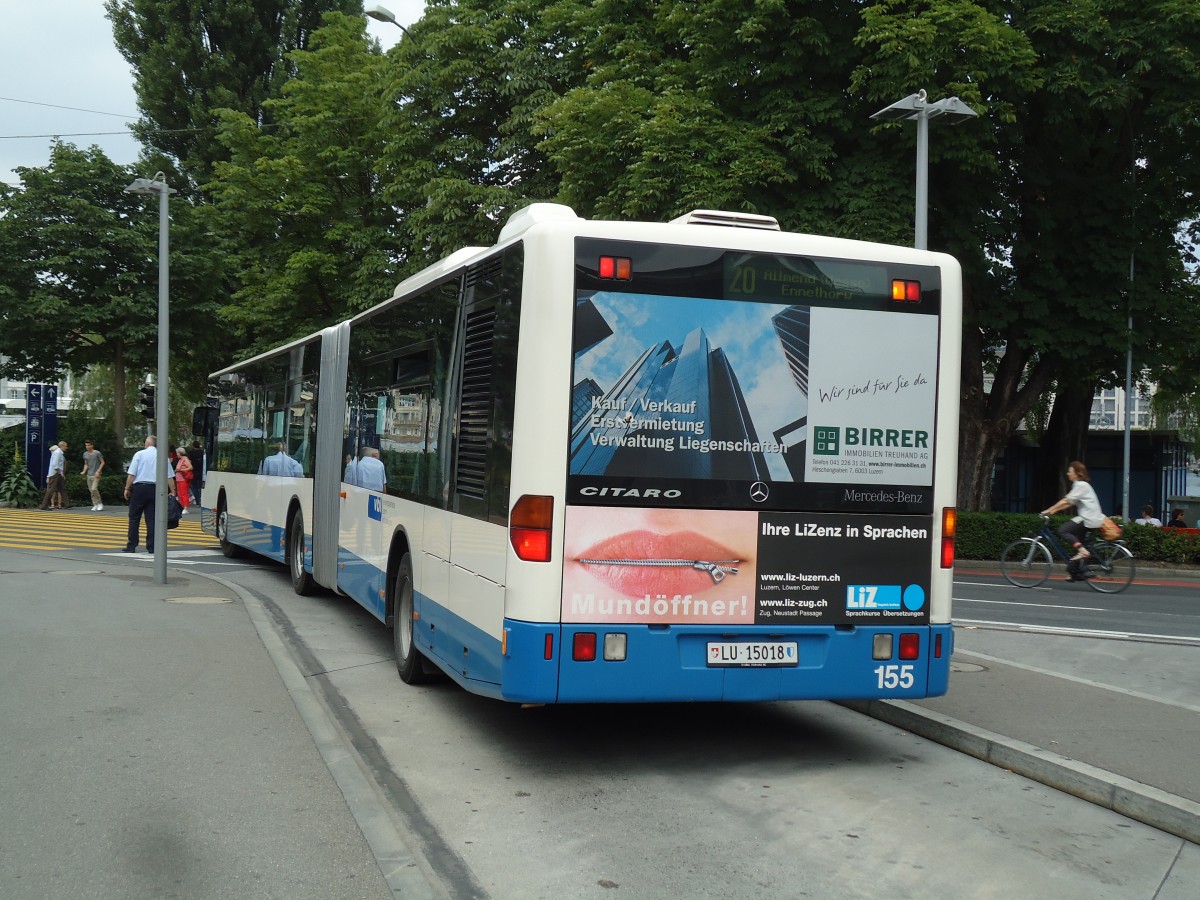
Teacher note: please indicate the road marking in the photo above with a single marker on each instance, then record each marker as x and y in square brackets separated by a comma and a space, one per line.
[1082, 632]
[1039, 605]
[173, 559]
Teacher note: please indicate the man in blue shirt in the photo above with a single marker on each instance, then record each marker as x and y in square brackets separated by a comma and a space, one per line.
[371, 473]
[281, 464]
[56, 478]
[139, 492]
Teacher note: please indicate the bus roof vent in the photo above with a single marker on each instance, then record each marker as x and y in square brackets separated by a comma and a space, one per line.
[727, 219]
[535, 214]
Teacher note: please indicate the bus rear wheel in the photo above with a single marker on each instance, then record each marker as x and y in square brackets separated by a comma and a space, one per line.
[302, 581]
[409, 662]
[229, 548]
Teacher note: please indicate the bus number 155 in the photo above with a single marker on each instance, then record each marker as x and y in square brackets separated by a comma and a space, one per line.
[894, 676]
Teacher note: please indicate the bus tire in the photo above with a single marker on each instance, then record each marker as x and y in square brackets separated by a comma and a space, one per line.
[302, 581]
[409, 661]
[230, 549]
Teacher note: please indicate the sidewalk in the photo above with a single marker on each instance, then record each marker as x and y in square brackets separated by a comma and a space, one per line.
[151, 748]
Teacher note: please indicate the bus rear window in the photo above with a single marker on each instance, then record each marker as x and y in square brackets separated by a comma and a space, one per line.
[733, 380]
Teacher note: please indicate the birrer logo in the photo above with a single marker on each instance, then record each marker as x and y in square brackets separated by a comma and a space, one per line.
[826, 440]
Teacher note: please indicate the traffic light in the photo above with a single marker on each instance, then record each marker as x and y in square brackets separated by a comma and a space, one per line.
[147, 391]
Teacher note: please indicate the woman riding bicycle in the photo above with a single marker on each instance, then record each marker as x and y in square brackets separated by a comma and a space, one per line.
[1087, 506]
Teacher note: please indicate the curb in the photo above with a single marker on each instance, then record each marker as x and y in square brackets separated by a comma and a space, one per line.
[400, 866]
[1146, 804]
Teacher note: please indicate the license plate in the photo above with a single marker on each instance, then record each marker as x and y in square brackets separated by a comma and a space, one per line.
[753, 653]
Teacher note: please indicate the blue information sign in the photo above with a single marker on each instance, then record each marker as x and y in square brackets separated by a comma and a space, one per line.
[41, 429]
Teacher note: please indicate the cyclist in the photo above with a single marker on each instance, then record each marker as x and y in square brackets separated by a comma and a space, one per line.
[1088, 514]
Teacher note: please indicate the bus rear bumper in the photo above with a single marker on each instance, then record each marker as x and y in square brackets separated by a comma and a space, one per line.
[672, 663]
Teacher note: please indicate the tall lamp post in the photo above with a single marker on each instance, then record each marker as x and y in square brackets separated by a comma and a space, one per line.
[158, 185]
[917, 106]
[380, 14]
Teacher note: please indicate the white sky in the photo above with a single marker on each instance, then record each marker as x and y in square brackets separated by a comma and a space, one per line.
[61, 74]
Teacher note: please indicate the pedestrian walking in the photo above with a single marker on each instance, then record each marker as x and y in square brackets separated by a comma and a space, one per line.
[56, 478]
[183, 478]
[93, 465]
[139, 492]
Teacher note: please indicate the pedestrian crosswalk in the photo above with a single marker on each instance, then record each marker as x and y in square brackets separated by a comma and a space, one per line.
[36, 529]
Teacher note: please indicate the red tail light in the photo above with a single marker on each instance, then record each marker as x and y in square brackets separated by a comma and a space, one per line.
[949, 526]
[584, 647]
[530, 525]
[910, 646]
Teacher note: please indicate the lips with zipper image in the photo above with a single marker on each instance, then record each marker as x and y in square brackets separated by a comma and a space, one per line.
[660, 554]
[644, 562]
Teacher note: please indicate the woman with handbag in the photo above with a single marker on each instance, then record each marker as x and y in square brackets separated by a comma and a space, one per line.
[183, 478]
[1087, 508]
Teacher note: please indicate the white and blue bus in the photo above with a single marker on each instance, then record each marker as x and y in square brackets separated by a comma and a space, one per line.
[623, 461]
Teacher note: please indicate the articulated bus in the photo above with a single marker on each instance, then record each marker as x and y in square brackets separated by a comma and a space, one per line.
[623, 461]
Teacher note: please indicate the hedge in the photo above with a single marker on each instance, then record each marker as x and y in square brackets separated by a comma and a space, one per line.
[984, 535]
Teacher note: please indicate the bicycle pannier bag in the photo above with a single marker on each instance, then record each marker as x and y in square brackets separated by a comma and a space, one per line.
[1109, 530]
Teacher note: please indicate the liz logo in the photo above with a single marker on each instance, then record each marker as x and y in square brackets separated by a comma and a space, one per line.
[759, 492]
[375, 508]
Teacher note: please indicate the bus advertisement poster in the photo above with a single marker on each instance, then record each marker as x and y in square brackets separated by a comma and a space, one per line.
[676, 566]
[727, 391]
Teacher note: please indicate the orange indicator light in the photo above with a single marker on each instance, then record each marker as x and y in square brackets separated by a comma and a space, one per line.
[905, 291]
[618, 267]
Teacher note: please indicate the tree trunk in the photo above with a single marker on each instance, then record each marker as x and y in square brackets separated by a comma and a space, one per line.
[989, 420]
[1065, 439]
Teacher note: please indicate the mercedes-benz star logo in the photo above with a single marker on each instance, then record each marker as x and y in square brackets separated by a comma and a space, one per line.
[759, 491]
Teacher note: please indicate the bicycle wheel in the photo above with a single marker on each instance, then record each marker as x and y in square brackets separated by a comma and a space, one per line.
[1025, 562]
[1111, 568]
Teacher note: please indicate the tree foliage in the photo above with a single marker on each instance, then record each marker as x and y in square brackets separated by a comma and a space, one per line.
[463, 92]
[191, 58]
[298, 208]
[80, 285]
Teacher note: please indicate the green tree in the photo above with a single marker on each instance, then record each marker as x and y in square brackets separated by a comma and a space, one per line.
[193, 57]
[463, 93]
[716, 104]
[298, 208]
[80, 283]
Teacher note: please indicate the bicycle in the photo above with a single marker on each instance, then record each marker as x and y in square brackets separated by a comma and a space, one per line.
[1026, 561]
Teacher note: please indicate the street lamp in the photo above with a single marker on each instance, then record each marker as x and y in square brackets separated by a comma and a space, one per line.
[381, 14]
[158, 185]
[916, 106]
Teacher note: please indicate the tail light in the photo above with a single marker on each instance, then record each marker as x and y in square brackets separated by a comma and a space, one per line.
[949, 526]
[583, 648]
[530, 525]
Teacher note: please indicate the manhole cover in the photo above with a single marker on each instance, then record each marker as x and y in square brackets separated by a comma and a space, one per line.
[966, 667]
[199, 600]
